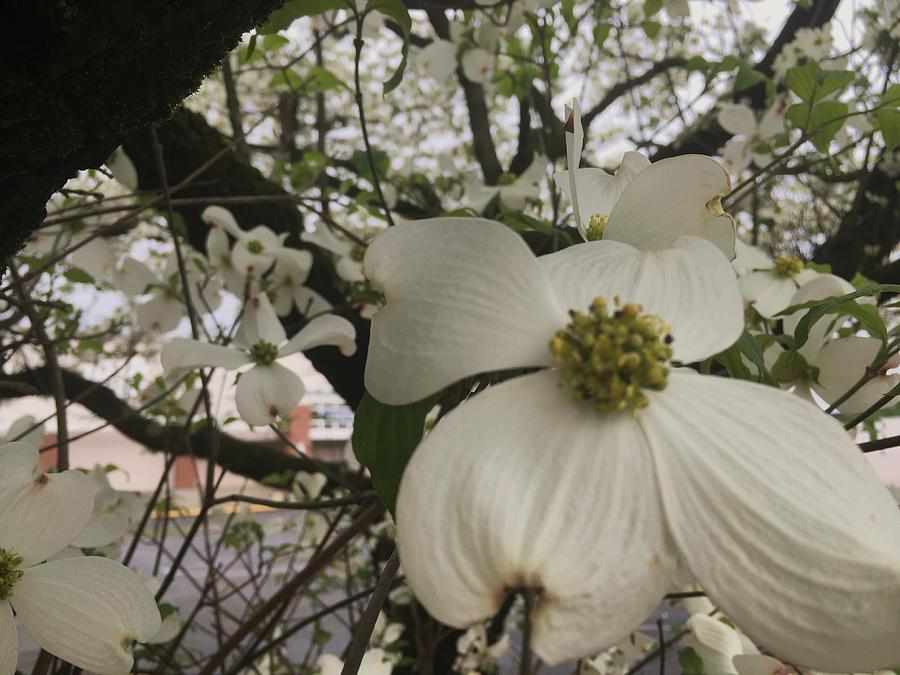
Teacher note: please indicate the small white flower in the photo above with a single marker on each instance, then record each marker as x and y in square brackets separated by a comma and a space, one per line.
[741, 150]
[514, 191]
[83, 609]
[478, 65]
[268, 390]
[770, 290]
[348, 263]
[438, 60]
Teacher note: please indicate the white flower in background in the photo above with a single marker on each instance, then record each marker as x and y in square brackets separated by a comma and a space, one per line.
[686, 190]
[591, 502]
[308, 485]
[374, 662]
[218, 247]
[749, 258]
[114, 512]
[514, 191]
[348, 262]
[285, 285]
[747, 146]
[814, 43]
[85, 610]
[619, 659]
[26, 430]
[438, 60]
[168, 630]
[478, 65]
[677, 9]
[164, 307]
[122, 168]
[716, 643]
[842, 361]
[98, 257]
[268, 390]
[386, 633]
[770, 290]
[474, 652]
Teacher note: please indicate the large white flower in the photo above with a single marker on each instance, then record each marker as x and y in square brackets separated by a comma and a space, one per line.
[85, 610]
[268, 390]
[643, 204]
[766, 500]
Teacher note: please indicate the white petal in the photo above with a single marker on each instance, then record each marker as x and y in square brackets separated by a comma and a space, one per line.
[259, 323]
[310, 303]
[841, 365]
[39, 516]
[9, 640]
[464, 296]
[716, 643]
[768, 292]
[109, 522]
[249, 263]
[295, 263]
[222, 218]
[670, 198]
[329, 664]
[122, 168]
[758, 664]
[323, 237]
[522, 486]
[134, 277]
[737, 118]
[574, 142]
[218, 247]
[691, 286]
[323, 330]
[749, 258]
[736, 155]
[781, 519]
[597, 191]
[265, 393]
[349, 269]
[168, 630]
[160, 313]
[772, 122]
[477, 65]
[26, 430]
[85, 611]
[438, 59]
[182, 354]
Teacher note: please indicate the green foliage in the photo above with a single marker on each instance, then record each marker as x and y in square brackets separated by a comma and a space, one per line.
[395, 10]
[731, 359]
[691, 663]
[888, 116]
[868, 315]
[812, 84]
[360, 161]
[791, 365]
[283, 17]
[821, 121]
[78, 276]
[384, 438]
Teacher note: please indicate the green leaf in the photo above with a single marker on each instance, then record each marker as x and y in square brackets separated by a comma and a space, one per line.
[395, 10]
[652, 7]
[747, 77]
[888, 116]
[273, 42]
[691, 663]
[283, 17]
[319, 79]
[821, 123]
[747, 346]
[360, 160]
[78, 276]
[843, 305]
[802, 80]
[860, 281]
[384, 438]
[821, 268]
[601, 33]
[791, 366]
[696, 63]
[286, 78]
[651, 28]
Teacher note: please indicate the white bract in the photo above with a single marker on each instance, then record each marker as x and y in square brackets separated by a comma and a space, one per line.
[268, 390]
[589, 500]
[438, 59]
[348, 259]
[770, 290]
[478, 65]
[514, 191]
[85, 610]
[686, 192]
[747, 145]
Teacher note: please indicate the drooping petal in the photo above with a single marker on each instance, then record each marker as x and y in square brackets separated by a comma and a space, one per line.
[86, 611]
[574, 142]
[259, 323]
[39, 513]
[522, 486]
[323, 330]
[122, 168]
[109, 521]
[265, 393]
[842, 363]
[183, 354]
[671, 198]
[781, 519]
[220, 217]
[324, 238]
[349, 269]
[715, 643]
[691, 286]
[9, 640]
[464, 296]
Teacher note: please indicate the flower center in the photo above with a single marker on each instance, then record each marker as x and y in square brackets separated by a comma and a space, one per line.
[596, 225]
[9, 572]
[264, 353]
[255, 246]
[786, 266]
[507, 178]
[609, 359]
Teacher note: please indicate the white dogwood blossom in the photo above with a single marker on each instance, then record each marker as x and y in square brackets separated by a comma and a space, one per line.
[685, 190]
[86, 610]
[268, 390]
[748, 146]
[588, 489]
